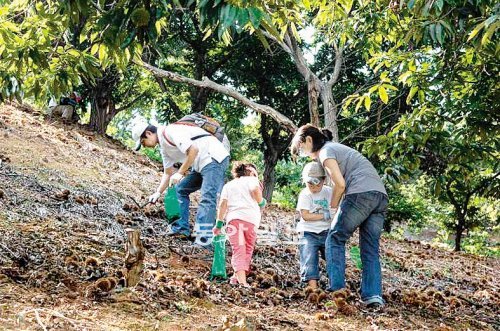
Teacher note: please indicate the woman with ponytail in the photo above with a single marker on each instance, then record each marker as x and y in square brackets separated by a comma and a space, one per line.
[363, 206]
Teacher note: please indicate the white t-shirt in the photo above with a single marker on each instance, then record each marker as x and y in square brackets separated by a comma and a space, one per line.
[175, 140]
[314, 203]
[240, 204]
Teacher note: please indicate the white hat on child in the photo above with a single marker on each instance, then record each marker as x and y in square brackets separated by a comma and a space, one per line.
[313, 170]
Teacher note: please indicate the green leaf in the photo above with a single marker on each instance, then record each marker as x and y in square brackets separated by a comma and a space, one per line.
[255, 16]
[432, 32]
[127, 40]
[202, 4]
[390, 87]
[262, 39]
[439, 33]
[427, 7]
[421, 96]
[103, 54]
[94, 49]
[476, 30]
[489, 32]
[383, 94]
[440, 4]
[410, 96]
[368, 102]
[74, 52]
[270, 28]
[231, 15]
[243, 16]
[404, 76]
[436, 188]
[294, 31]
[359, 103]
[83, 37]
[447, 26]
[208, 33]
[348, 102]
[411, 4]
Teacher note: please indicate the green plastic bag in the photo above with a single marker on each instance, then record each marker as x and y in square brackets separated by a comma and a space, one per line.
[219, 262]
[172, 208]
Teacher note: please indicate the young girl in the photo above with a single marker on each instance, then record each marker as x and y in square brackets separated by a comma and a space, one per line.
[240, 205]
[314, 208]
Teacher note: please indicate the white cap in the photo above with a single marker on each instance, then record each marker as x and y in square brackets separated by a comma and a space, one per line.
[313, 170]
[137, 131]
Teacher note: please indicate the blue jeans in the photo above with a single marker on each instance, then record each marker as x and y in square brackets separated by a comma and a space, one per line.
[367, 211]
[210, 180]
[310, 247]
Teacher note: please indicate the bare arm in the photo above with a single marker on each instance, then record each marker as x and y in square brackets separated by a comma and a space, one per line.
[221, 213]
[164, 179]
[191, 154]
[310, 217]
[332, 167]
[256, 194]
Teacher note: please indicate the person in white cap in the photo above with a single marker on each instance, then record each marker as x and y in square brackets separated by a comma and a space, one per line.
[315, 221]
[199, 150]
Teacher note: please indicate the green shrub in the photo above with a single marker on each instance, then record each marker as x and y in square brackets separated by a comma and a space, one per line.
[153, 154]
[404, 210]
[288, 183]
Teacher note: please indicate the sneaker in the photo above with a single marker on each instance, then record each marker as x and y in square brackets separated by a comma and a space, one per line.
[375, 306]
[374, 302]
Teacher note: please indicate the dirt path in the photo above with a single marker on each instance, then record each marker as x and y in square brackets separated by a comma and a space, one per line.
[61, 255]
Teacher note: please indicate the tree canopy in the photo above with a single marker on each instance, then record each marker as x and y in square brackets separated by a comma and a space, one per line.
[414, 84]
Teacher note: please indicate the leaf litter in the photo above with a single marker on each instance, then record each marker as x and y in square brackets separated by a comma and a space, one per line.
[67, 196]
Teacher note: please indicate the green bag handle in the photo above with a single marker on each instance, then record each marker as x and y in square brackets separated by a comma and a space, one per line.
[172, 208]
[219, 261]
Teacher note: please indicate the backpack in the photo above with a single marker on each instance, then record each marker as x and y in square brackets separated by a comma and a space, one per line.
[208, 124]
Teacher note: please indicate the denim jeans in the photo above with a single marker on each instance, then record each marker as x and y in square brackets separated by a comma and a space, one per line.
[367, 211]
[210, 180]
[310, 246]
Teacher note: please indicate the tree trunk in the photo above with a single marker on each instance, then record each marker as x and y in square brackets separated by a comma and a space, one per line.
[270, 161]
[313, 92]
[102, 104]
[459, 229]
[330, 110]
[134, 258]
[102, 111]
[199, 100]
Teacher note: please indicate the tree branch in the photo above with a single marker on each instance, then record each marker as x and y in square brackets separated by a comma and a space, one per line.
[161, 83]
[207, 83]
[128, 105]
[338, 66]
[280, 43]
[484, 184]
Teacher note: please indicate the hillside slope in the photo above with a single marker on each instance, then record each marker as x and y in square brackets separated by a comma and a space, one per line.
[61, 253]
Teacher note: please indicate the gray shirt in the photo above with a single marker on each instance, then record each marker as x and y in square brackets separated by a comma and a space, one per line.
[359, 174]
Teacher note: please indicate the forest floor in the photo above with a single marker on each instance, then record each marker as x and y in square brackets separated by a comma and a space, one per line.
[67, 195]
